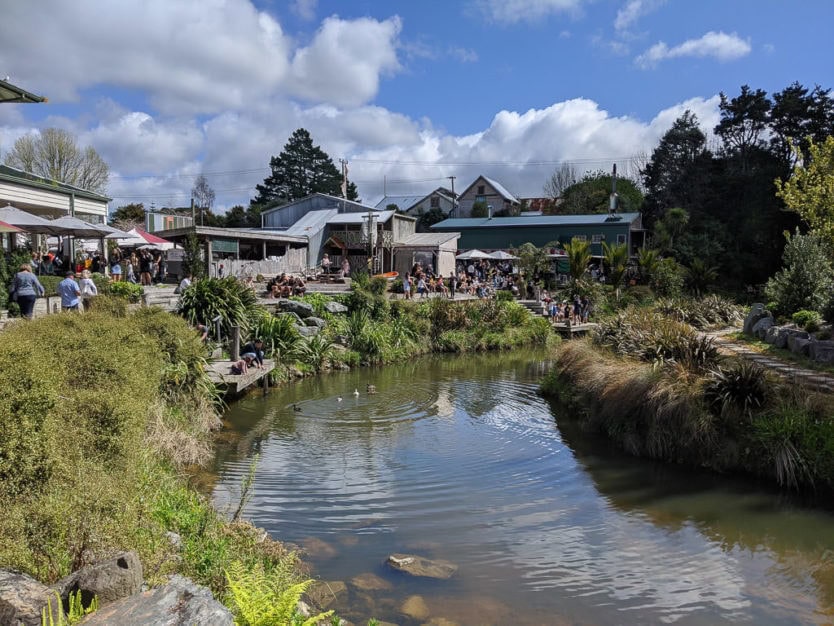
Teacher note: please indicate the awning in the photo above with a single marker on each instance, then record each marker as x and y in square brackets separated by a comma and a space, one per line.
[139, 237]
[28, 222]
[79, 228]
[500, 255]
[8, 228]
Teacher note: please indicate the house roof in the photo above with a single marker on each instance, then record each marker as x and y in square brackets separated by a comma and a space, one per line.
[14, 94]
[334, 201]
[360, 218]
[175, 234]
[502, 191]
[427, 240]
[406, 203]
[599, 219]
[311, 222]
[14, 175]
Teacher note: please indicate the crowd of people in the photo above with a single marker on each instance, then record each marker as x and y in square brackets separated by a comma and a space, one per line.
[285, 285]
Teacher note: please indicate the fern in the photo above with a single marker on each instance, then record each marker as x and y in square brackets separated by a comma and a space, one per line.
[258, 601]
[77, 612]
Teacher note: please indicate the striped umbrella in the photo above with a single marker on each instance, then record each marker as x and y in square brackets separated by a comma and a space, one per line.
[8, 228]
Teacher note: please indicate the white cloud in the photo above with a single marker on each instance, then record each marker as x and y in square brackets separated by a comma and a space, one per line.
[188, 56]
[305, 9]
[718, 45]
[512, 11]
[464, 55]
[634, 10]
[343, 63]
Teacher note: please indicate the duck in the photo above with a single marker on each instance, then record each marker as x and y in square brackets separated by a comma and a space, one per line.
[371, 389]
[355, 393]
[338, 398]
[295, 407]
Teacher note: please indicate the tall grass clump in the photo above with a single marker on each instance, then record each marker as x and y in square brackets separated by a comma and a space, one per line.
[711, 311]
[227, 298]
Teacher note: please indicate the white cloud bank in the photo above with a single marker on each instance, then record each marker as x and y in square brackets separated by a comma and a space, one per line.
[718, 45]
[513, 11]
[633, 10]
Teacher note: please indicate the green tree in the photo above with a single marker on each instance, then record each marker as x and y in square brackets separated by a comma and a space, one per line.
[699, 276]
[192, 261]
[805, 280]
[647, 262]
[615, 258]
[799, 116]
[426, 219]
[810, 190]
[592, 195]
[300, 170]
[744, 120]
[579, 257]
[129, 213]
[671, 226]
[479, 209]
[532, 260]
[236, 217]
[54, 153]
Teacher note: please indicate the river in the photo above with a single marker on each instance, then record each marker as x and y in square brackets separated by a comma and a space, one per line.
[458, 458]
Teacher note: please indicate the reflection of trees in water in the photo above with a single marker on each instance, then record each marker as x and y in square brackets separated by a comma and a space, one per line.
[735, 514]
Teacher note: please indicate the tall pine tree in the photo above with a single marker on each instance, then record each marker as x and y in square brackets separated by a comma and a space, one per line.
[301, 169]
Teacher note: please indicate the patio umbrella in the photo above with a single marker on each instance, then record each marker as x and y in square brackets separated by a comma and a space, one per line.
[113, 233]
[79, 228]
[28, 222]
[472, 254]
[500, 255]
[139, 237]
[8, 228]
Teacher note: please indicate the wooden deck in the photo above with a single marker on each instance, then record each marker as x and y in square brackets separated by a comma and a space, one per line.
[220, 374]
[573, 329]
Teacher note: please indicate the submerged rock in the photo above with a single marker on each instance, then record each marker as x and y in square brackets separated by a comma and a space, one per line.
[420, 566]
[323, 593]
[370, 582]
[415, 607]
[318, 549]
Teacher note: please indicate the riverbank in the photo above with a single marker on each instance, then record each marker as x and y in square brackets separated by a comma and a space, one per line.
[661, 391]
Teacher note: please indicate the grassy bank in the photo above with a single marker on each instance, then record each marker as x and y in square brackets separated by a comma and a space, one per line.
[99, 412]
[657, 389]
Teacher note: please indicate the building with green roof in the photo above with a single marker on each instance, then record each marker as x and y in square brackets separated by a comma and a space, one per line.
[505, 233]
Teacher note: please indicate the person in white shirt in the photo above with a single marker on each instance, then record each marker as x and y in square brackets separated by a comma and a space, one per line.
[185, 283]
[88, 287]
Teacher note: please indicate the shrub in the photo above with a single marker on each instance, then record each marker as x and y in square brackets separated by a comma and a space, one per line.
[130, 291]
[804, 317]
[504, 296]
[231, 300]
[667, 278]
[739, 388]
[114, 306]
[708, 312]
[279, 334]
[806, 276]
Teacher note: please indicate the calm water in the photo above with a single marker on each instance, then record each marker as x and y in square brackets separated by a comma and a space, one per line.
[459, 459]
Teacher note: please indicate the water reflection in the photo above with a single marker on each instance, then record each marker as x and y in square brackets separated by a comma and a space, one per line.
[459, 459]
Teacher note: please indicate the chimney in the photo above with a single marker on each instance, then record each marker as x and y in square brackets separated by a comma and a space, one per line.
[489, 211]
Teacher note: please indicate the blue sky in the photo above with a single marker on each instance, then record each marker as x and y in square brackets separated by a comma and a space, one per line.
[409, 92]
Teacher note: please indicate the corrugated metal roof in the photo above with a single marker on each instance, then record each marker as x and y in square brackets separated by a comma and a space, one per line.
[428, 239]
[403, 202]
[312, 222]
[543, 220]
[359, 218]
[501, 189]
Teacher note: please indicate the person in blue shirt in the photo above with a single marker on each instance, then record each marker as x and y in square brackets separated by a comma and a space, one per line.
[26, 289]
[255, 350]
[70, 293]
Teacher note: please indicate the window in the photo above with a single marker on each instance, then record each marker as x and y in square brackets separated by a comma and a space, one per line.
[621, 239]
[480, 199]
[581, 237]
[435, 202]
[596, 238]
[481, 190]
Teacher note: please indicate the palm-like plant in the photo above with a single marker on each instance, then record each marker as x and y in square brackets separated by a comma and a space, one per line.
[647, 261]
[279, 334]
[227, 298]
[699, 276]
[315, 351]
[579, 257]
[616, 258]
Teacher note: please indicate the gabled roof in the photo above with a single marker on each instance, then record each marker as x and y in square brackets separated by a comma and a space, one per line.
[502, 191]
[14, 94]
[406, 203]
[596, 219]
[312, 222]
[324, 201]
[417, 240]
[14, 175]
[360, 218]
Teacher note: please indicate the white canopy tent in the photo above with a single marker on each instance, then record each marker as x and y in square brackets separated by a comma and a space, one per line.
[500, 255]
[472, 254]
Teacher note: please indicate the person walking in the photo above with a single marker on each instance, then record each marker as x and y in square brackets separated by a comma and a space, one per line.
[70, 293]
[88, 288]
[25, 290]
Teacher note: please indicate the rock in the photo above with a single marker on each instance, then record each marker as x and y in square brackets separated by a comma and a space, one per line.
[370, 582]
[173, 538]
[297, 320]
[318, 549]
[308, 331]
[757, 312]
[761, 327]
[335, 307]
[302, 309]
[822, 351]
[798, 336]
[109, 580]
[772, 334]
[799, 345]
[22, 598]
[783, 333]
[179, 602]
[440, 621]
[315, 321]
[420, 566]
[324, 593]
[415, 607]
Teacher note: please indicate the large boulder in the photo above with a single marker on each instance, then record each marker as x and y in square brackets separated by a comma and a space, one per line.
[780, 334]
[302, 309]
[179, 602]
[822, 351]
[757, 312]
[308, 331]
[799, 345]
[335, 307]
[793, 337]
[22, 598]
[761, 327]
[772, 334]
[420, 566]
[315, 321]
[109, 580]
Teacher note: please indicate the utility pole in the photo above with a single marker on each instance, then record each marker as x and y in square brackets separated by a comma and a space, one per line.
[193, 214]
[344, 177]
[454, 199]
[612, 201]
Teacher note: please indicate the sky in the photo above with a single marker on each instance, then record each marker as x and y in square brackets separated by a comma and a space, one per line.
[408, 92]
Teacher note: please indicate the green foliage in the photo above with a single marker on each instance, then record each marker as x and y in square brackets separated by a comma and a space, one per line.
[592, 195]
[712, 311]
[279, 334]
[426, 219]
[258, 600]
[115, 306]
[806, 276]
[504, 296]
[533, 260]
[616, 262]
[315, 351]
[579, 257]
[647, 261]
[804, 318]
[657, 339]
[77, 611]
[479, 209]
[317, 301]
[737, 389]
[228, 298]
[130, 291]
[192, 260]
[667, 278]
[699, 275]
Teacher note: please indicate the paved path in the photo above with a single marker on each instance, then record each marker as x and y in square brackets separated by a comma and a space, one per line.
[816, 380]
